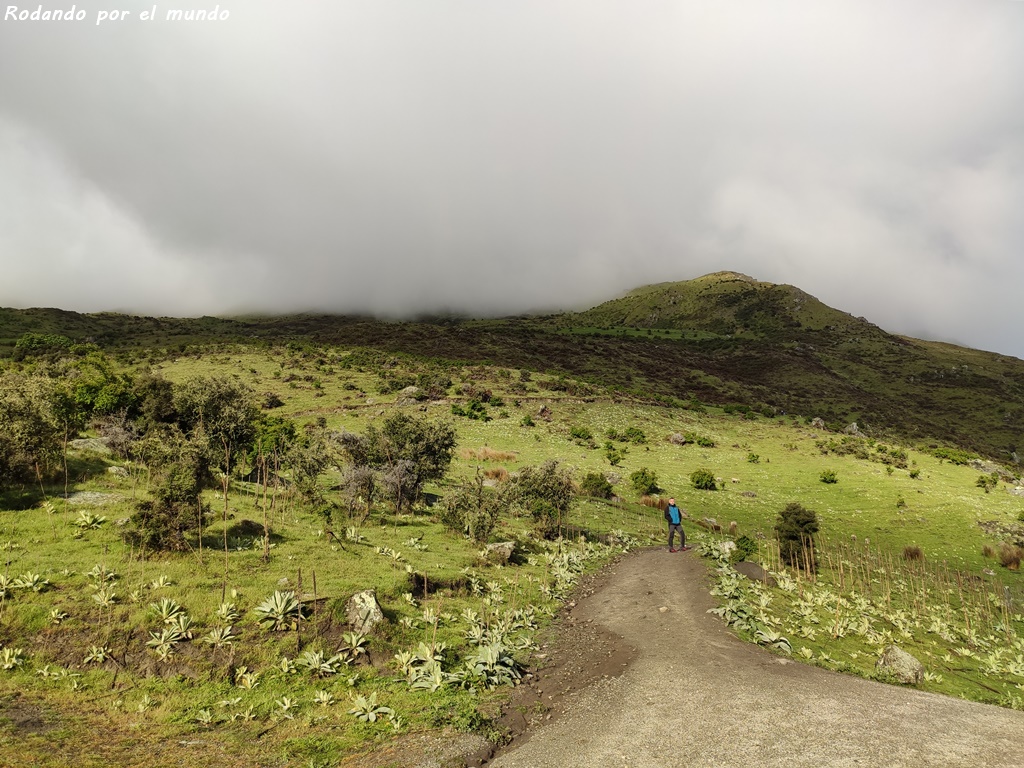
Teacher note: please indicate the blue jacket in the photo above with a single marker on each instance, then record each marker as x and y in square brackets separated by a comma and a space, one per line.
[673, 515]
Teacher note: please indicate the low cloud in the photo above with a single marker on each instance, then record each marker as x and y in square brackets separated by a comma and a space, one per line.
[493, 158]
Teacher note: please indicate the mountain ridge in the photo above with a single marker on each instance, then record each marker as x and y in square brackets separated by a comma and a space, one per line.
[722, 338]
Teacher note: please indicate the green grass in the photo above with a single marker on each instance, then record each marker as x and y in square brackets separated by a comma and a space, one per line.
[941, 515]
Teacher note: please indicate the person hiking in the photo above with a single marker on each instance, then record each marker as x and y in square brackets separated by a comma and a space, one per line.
[674, 517]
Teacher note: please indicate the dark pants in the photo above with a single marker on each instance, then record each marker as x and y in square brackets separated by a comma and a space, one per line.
[674, 528]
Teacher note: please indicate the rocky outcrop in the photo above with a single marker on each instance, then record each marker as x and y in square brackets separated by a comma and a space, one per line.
[901, 665]
[363, 611]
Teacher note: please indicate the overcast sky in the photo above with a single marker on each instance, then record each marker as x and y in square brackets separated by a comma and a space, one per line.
[502, 156]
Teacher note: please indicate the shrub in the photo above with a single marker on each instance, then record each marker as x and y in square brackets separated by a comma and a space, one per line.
[644, 481]
[795, 528]
[745, 547]
[954, 455]
[988, 551]
[829, 477]
[913, 553]
[900, 502]
[703, 480]
[527, 421]
[1010, 556]
[596, 485]
[915, 473]
[753, 458]
[581, 434]
[987, 482]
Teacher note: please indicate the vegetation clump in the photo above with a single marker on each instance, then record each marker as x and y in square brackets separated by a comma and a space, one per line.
[644, 481]
[796, 528]
[596, 485]
[703, 480]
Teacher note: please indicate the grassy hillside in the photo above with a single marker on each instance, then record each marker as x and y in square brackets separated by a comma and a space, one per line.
[86, 681]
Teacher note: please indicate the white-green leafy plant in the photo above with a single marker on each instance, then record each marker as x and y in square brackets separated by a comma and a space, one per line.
[221, 637]
[228, 612]
[279, 612]
[160, 583]
[32, 581]
[11, 658]
[105, 596]
[324, 698]
[166, 609]
[98, 654]
[318, 665]
[57, 616]
[367, 709]
[246, 679]
[88, 520]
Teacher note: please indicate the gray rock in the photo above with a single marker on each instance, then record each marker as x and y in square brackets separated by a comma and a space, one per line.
[677, 439]
[853, 429]
[117, 471]
[410, 392]
[500, 552]
[363, 611]
[901, 664]
[749, 494]
[818, 423]
[755, 572]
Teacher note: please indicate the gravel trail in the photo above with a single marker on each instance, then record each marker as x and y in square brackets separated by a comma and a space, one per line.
[697, 696]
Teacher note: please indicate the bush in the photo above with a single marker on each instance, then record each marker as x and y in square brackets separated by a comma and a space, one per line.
[795, 528]
[596, 485]
[1010, 556]
[527, 421]
[644, 481]
[913, 553]
[829, 477]
[745, 547]
[915, 473]
[581, 434]
[703, 480]
[753, 458]
[987, 482]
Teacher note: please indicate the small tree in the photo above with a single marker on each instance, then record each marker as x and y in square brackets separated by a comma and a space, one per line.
[829, 477]
[703, 480]
[795, 528]
[644, 481]
[473, 510]
[176, 510]
[596, 485]
[546, 492]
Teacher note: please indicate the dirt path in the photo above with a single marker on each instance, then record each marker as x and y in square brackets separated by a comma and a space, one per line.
[696, 696]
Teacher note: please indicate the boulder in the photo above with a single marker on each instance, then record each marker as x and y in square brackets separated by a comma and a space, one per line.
[363, 611]
[818, 423]
[754, 572]
[901, 665]
[499, 553]
[853, 429]
[749, 494]
[677, 439]
[117, 471]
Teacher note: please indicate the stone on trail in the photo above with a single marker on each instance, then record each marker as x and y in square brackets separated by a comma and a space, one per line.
[905, 667]
[363, 611]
